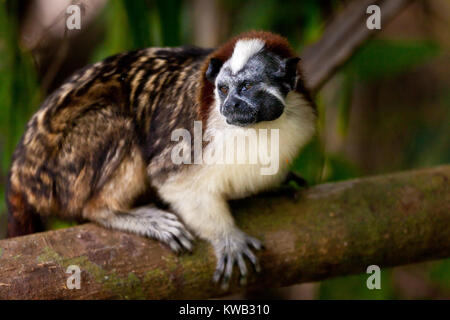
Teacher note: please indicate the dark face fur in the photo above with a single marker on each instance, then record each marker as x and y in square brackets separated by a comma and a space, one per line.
[257, 91]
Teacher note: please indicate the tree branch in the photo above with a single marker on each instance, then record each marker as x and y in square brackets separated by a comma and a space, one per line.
[342, 37]
[334, 229]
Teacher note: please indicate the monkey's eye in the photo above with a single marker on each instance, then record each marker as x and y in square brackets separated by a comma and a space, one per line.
[223, 89]
[247, 86]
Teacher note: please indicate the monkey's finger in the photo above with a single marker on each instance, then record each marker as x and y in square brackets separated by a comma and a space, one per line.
[176, 236]
[181, 233]
[178, 225]
[173, 231]
[219, 269]
[181, 239]
[188, 234]
[242, 269]
[228, 272]
[171, 216]
[175, 224]
[185, 242]
[169, 239]
[250, 255]
[255, 243]
[181, 236]
[173, 244]
[242, 265]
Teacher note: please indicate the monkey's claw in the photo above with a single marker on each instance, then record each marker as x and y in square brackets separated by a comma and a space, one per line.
[167, 228]
[231, 250]
[175, 234]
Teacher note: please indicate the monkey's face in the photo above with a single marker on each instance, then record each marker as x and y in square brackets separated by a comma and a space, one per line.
[254, 92]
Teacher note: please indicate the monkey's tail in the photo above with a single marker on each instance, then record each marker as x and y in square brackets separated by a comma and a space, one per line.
[23, 219]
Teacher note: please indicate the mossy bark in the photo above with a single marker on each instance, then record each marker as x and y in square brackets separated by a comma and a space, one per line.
[332, 229]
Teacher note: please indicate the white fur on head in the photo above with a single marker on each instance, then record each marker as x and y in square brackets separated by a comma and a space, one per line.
[275, 92]
[243, 51]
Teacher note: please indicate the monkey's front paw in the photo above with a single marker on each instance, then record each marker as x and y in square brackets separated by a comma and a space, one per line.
[231, 250]
[172, 232]
[165, 227]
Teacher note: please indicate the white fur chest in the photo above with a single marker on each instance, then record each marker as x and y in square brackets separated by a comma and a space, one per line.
[245, 173]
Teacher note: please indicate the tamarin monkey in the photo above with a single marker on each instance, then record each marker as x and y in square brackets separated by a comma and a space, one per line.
[102, 140]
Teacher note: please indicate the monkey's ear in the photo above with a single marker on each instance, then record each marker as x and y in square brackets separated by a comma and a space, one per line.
[288, 71]
[291, 66]
[213, 69]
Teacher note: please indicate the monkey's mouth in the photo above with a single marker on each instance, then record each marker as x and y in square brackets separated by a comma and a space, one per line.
[241, 119]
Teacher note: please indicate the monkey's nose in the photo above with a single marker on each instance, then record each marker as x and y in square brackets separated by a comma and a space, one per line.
[237, 104]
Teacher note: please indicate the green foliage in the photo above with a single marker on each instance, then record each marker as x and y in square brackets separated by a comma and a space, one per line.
[309, 163]
[440, 275]
[301, 22]
[388, 58]
[430, 143]
[19, 90]
[354, 287]
[138, 21]
[139, 24]
[54, 223]
[170, 13]
[115, 19]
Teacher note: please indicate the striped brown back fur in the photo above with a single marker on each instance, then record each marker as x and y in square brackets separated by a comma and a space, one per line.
[81, 133]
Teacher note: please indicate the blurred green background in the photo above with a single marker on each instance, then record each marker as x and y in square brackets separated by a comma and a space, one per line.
[387, 109]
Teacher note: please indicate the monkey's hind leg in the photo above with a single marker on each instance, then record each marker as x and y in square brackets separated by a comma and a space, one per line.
[102, 173]
[150, 222]
[111, 207]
